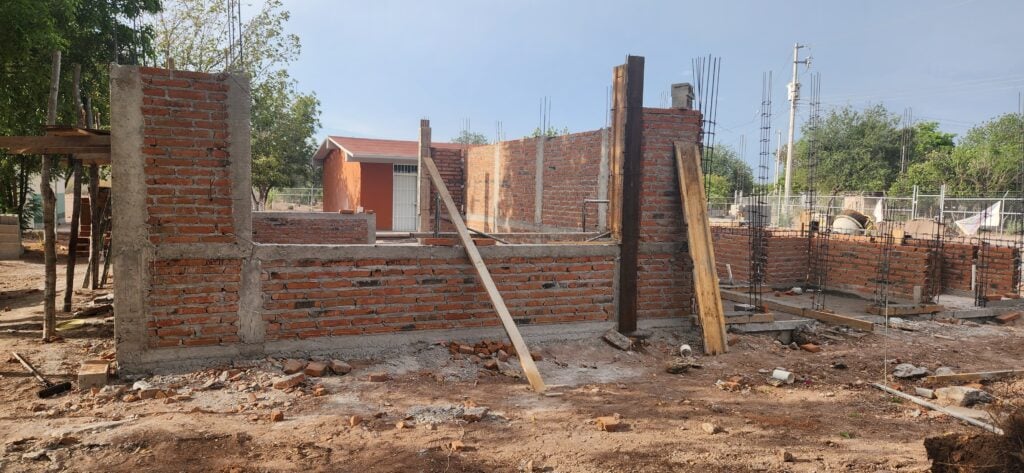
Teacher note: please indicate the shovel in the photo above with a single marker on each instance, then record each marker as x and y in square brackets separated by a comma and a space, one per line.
[49, 389]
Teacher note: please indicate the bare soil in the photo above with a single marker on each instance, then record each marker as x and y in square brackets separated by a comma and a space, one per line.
[829, 420]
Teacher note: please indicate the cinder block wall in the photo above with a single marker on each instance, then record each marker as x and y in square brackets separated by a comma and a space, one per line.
[314, 228]
[10, 237]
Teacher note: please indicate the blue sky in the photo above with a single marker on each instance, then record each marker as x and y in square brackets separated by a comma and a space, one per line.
[378, 66]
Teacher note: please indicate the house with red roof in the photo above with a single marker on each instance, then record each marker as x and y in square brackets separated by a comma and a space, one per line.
[373, 175]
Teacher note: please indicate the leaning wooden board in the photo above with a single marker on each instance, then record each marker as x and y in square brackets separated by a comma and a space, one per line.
[525, 359]
[698, 232]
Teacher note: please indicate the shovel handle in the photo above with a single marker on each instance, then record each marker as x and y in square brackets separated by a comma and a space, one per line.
[31, 369]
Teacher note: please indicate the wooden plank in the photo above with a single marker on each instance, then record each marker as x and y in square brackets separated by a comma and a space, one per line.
[905, 309]
[632, 179]
[698, 232]
[92, 150]
[748, 317]
[85, 141]
[618, 120]
[971, 377]
[837, 319]
[525, 359]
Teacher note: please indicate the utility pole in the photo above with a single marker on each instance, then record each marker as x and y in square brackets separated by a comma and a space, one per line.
[794, 96]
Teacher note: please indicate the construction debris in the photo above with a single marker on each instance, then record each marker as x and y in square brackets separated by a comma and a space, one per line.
[612, 423]
[909, 371]
[618, 340]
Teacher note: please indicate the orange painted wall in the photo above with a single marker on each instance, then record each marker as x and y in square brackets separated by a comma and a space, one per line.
[341, 183]
[377, 193]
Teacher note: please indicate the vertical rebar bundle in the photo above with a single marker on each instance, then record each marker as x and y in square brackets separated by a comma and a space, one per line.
[757, 213]
[817, 237]
[883, 269]
[705, 74]
[906, 139]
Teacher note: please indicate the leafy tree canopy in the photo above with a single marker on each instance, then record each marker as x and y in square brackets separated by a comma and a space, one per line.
[467, 137]
[194, 34]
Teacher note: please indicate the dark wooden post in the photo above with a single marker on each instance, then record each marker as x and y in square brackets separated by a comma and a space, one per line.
[76, 205]
[628, 96]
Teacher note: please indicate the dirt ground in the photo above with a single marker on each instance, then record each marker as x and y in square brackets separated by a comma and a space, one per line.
[831, 419]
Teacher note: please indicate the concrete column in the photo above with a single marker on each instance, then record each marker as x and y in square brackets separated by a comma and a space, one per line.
[602, 180]
[131, 249]
[538, 185]
[682, 96]
[251, 328]
[496, 187]
[423, 183]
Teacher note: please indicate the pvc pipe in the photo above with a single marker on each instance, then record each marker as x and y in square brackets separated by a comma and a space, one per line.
[784, 376]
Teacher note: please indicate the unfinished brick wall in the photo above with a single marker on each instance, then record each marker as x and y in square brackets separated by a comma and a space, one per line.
[193, 302]
[185, 139]
[566, 169]
[209, 289]
[959, 257]
[665, 272]
[853, 266]
[786, 254]
[313, 228]
[318, 298]
[451, 165]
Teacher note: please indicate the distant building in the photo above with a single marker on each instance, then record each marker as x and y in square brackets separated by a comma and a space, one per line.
[377, 175]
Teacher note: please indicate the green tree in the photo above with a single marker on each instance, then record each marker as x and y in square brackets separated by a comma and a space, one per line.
[735, 173]
[283, 124]
[194, 34]
[467, 137]
[857, 150]
[90, 33]
[551, 132]
[986, 160]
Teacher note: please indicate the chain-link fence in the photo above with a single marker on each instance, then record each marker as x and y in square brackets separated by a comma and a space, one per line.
[998, 216]
[296, 199]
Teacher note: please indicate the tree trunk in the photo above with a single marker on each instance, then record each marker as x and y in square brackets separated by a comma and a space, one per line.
[76, 215]
[95, 233]
[76, 205]
[49, 203]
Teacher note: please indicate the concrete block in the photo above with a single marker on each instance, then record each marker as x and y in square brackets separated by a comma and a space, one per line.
[92, 374]
[10, 250]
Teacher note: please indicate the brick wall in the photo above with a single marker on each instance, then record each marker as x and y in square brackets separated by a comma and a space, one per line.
[193, 302]
[853, 266]
[665, 270]
[960, 255]
[197, 283]
[318, 298]
[313, 228]
[188, 187]
[451, 165]
[570, 172]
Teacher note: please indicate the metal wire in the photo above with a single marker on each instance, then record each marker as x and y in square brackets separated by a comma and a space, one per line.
[706, 72]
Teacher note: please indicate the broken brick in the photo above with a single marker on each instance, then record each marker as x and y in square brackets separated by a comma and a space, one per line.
[293, 366]
[340, 367]
[276, 415]
[289, 382]
[377, 377]
[316, 369]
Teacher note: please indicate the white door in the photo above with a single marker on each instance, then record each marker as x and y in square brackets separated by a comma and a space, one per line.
[404, 198]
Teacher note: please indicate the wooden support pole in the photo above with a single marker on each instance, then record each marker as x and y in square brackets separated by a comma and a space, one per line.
[629, 151]
[95, 240]
[76, 204]
[698, 232]
[49, 204]
[525, 359]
